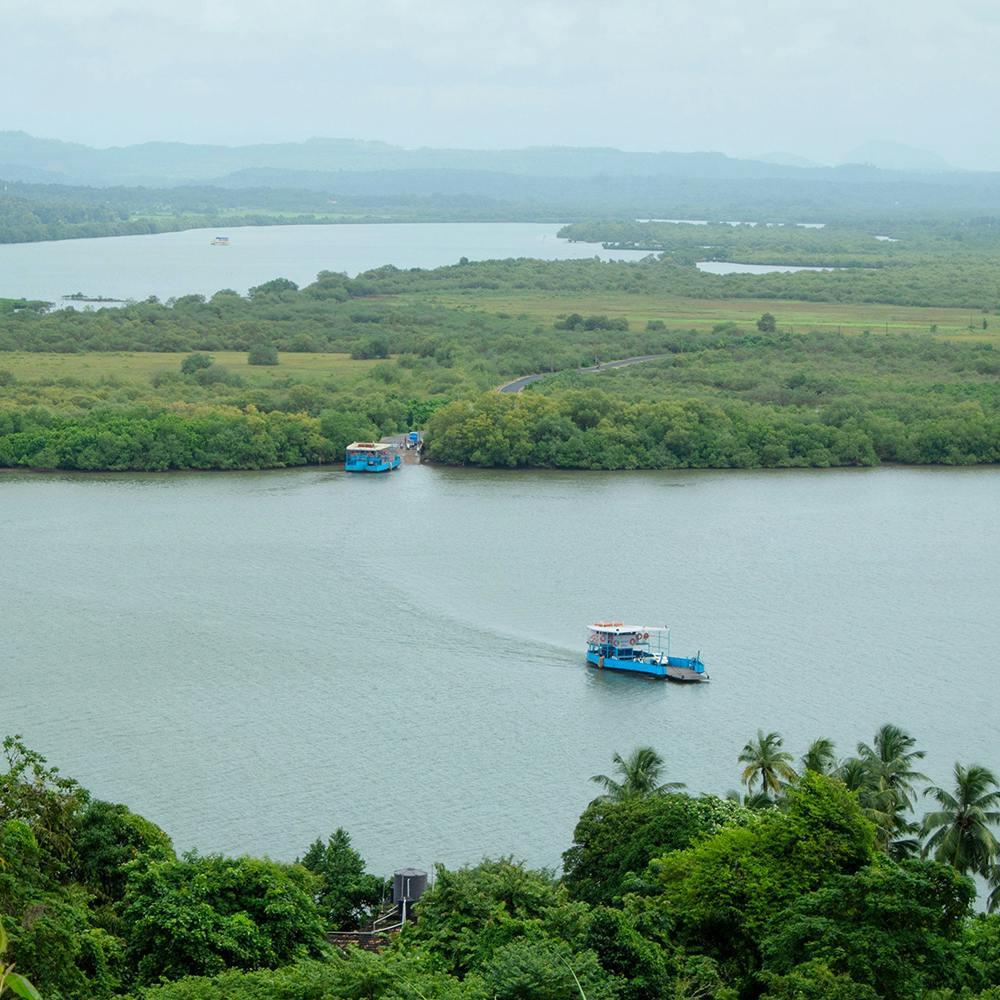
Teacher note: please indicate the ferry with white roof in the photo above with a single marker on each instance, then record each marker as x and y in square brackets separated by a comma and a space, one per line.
[630, 648]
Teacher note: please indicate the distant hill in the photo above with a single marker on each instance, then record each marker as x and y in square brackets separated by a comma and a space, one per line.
[786, 160]
[898, 156]
[164, 163]
[375, 179]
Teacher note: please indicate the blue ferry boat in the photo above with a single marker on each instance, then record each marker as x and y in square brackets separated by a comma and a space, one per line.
[617, 646]
[371, 456]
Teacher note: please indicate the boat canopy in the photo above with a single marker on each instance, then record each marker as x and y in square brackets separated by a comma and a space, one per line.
[619, 628]
[369, 446]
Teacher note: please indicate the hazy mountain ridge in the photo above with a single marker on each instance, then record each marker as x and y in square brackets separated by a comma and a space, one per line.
[26, 157]
[350, 178]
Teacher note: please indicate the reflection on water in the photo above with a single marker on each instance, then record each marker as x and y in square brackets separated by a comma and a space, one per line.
[253, 659]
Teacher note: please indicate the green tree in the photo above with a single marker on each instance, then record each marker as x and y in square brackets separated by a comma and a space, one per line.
[11, 980]
[820, 756]
[545, 970]
[886, 794]
[854, 774]
[262, 353]
[372, 347]
[891, 926]
[814, 981]
[205, 914]
[196, 362]
[640, 773]
[614, 841]
[340, 429]
[767, 323]
[979, 951]
[891, 759]
[59, 944]
[766, 763]
[351, 975]
[40, 797]
[724, 891]
[959, 833]
[273, 287]
[471, 913]
[642, 966]
[107, 837]
[347, 893]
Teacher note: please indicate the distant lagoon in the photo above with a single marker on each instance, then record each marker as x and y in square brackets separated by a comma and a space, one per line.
[173, 264]
[731, 267]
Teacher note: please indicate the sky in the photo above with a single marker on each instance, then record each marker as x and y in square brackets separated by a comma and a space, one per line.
[815, 79]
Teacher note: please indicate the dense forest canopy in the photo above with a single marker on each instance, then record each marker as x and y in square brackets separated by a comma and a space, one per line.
[824, 879]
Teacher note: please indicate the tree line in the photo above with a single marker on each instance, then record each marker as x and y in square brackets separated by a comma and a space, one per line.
[821, 881]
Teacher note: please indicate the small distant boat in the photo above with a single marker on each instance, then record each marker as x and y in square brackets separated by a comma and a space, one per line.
[371, 456]
[220, 241]
[617, 646]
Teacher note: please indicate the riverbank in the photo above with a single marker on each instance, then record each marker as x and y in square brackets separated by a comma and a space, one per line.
[226, 582]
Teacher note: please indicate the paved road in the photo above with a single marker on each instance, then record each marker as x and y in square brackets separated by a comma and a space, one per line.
[519, 383]
[414, 454]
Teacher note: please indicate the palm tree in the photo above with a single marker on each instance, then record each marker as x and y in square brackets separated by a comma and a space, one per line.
[752, 800]
[640, 774]
[960, 833]
[853, 773]
[885, 792]
[891, 760]
[767, 763]
[820, 757]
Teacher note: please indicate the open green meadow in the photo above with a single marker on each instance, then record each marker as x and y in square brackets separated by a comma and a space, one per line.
[704, 314]
[132, 366]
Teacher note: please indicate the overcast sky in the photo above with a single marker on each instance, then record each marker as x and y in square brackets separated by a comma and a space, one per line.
[740, 76]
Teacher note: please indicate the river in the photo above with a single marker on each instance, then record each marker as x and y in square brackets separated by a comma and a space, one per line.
[252, 660]
[174, 264]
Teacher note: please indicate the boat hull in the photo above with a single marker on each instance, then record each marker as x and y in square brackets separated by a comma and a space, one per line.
[686, 675]
[671, 668]
[373, 467]
[647, 669]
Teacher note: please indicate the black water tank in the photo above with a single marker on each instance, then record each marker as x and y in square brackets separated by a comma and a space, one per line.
[408, 885]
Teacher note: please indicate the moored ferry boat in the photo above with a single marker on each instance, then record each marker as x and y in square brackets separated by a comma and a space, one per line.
[617, 646]
[371, 456]
[220, 241]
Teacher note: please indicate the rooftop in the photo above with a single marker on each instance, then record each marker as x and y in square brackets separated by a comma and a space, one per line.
[368, 446]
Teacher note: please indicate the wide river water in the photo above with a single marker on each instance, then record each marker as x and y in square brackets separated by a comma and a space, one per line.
[173, 264]
[252, 660]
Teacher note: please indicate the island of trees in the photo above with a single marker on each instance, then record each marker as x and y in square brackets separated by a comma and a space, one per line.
[829, 878]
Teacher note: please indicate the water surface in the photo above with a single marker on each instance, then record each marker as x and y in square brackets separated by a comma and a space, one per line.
[174, 264]
[253, 659]
[731, 267]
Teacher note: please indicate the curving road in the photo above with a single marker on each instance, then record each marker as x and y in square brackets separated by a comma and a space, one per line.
[519, 383]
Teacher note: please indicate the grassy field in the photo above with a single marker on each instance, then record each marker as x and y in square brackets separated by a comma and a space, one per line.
[133, 366]
[703, 314]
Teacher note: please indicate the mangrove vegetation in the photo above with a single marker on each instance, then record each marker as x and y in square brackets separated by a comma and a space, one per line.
[807, 369]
